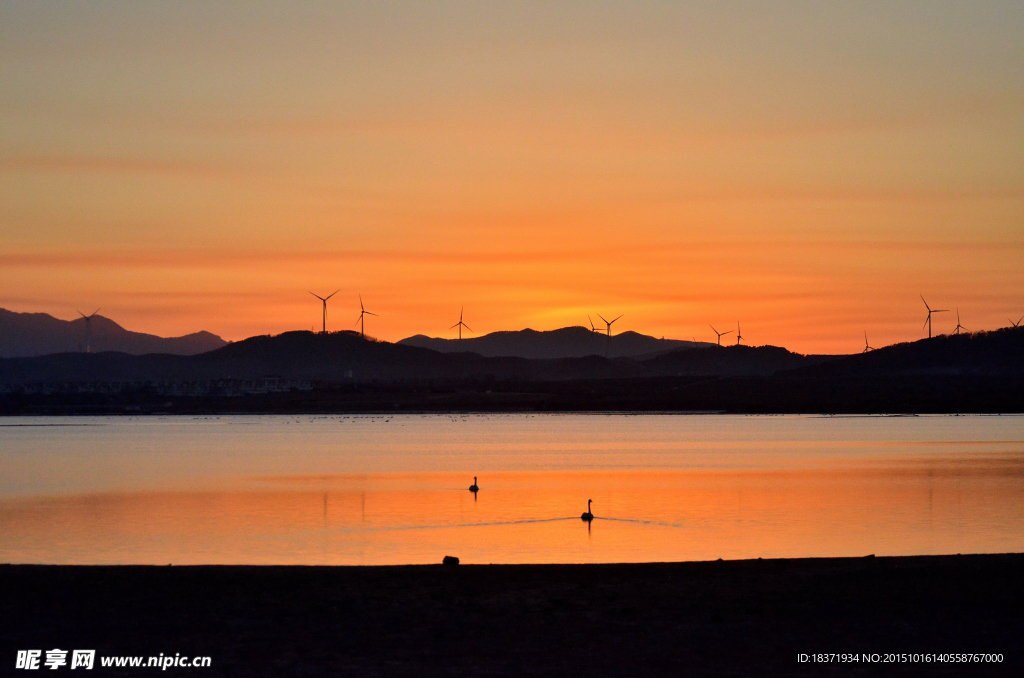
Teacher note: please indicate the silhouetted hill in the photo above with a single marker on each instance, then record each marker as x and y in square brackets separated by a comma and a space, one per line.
[347, 357]
[36, 334]
[568, 342]
[997, 353]
[336, 357]
[342, 372]
[729, 361]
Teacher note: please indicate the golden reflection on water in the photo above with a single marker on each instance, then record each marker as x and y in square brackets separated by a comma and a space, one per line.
[922, 504]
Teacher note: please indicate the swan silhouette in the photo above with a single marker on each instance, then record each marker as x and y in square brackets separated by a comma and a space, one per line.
[473, 487]
[588, 516]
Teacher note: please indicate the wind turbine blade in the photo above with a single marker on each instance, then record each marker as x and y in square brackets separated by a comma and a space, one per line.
[925, 302]
[332, 294]
[725, 333]
[925, 322]
[83, 315]
[467, 327]
[712, 328]
[373, 314]
[360, 302]
[602, 318]
[620, 315]
[94, 312]
[318, 297]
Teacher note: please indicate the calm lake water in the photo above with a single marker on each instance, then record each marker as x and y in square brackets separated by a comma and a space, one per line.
[393, 489]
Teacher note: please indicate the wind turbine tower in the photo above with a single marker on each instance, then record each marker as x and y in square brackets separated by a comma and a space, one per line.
[928, 321]
[324, 300]
[720, 334]
[362, 317]
[608, 323]
[609, 331]
[88, 329]
[959, 328]
[461, 324]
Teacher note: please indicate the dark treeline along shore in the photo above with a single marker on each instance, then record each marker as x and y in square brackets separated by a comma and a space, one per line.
[304, 372]
[725, 618]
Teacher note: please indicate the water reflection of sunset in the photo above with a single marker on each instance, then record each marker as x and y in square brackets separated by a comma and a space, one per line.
[647, 515]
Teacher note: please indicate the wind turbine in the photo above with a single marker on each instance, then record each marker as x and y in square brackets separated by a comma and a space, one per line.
[88, 329]
[720, 334]
[592, 328]
[362, 317]
[739, 337]
[324, 299]
[459, 324]
[1016, 324]
[866, 346]
[959, 327]
[928, 321]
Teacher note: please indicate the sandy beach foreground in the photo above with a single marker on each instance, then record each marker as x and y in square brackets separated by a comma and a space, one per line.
[753, 617]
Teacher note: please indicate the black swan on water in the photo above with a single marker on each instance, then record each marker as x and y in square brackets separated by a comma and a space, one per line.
[473, 487]
[588, 516]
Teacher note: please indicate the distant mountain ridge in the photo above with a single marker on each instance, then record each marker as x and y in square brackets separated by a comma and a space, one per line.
[36, 334]
[995, 353]
[343, 372]
[567, 342]
[339, 357]
[734, 360]
[345, 357]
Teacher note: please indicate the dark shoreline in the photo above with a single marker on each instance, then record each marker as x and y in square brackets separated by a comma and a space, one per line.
[921, 394]
[748, 617]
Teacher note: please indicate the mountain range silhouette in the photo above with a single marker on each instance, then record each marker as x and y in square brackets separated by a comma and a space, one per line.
[343, 371]
[33, 334]
[567, 342]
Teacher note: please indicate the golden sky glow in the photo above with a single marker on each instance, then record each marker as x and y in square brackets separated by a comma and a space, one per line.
[805, 169]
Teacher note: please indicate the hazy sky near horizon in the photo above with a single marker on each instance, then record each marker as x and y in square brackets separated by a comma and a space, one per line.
[805, 168]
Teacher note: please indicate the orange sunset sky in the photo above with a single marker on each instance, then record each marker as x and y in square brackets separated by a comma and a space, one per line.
[805, 168]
